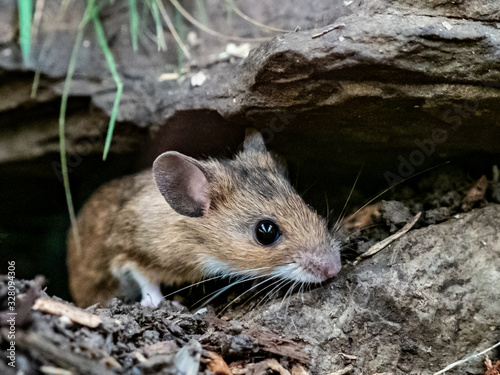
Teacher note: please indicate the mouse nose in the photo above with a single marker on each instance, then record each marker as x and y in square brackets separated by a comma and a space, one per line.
[330, 269]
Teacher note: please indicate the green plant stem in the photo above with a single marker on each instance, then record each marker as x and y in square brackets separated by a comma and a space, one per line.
[134, 22]
[62, 120]
[160, 38]
[171, 27]
[46, 45]
[179, 26]
[25, 15]
[101, 37]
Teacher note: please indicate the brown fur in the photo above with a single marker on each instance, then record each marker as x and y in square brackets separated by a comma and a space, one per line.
[128, 222]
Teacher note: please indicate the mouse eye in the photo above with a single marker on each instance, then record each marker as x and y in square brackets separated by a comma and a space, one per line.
[267, 232]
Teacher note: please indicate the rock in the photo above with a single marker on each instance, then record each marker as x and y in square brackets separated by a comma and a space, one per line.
[397, 85]
[424, 302]
[394, 78]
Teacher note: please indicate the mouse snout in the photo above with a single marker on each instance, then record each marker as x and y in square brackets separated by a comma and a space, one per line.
[320, 266]
[330, 268]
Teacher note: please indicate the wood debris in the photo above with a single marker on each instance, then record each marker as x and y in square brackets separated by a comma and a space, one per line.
[262, 367]
[298, 370]
[348, 356]
[73, 313]
[50, 370]
[42, 349]
[344, 371]
[254, 340]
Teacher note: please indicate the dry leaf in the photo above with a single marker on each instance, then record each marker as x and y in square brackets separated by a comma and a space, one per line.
[362, 218]
[475, 193]
[217, 364]
[492, 369]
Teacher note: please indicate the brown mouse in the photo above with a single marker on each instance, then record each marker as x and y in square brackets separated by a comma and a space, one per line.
[186, 220]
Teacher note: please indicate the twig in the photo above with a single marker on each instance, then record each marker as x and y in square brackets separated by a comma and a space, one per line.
[344, 371]
[202, 27]
[449, 367]
[382, 244]
[330, 29]
[252, 21]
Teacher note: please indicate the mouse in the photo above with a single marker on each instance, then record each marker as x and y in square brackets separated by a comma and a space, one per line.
[186, 220]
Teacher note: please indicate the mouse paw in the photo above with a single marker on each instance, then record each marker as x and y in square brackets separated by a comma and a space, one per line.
[151, 295]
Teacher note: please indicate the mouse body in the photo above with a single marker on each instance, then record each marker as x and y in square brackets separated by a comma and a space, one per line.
[185, 220]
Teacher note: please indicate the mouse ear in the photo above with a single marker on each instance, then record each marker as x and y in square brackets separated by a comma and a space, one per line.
[254, 141]
[182, 183]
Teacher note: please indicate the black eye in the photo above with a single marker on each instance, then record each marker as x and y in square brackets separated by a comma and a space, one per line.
[267, 232]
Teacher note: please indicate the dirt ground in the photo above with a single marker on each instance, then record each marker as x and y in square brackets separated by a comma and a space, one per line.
[51, 335]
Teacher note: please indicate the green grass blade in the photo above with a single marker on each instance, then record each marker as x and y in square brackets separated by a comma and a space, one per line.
[171, 27]
[101, 38]
[134, 22]
[25, 16]
[160, 37]
[46, 46]
[179, 27]
[62, 119]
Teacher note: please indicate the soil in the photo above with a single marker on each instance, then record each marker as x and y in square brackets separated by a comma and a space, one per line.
[130, 339]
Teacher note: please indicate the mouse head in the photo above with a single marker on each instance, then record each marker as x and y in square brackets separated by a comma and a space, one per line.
[247, 217]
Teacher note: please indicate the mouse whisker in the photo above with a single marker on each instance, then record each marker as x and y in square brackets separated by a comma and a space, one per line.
[336, 226]
[289, 291]
[290, 296]
[221, 276]
[362, 229]
[218, 292]
[328, 212]
[301, 291]
[245, 292]
[287, 282]
[263, 290]
[273, 291]
[194, 284]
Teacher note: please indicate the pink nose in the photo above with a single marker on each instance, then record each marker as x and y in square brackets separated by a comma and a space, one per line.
[330, 269]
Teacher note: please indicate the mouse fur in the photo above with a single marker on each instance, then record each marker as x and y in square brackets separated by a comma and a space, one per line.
[186, 219]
